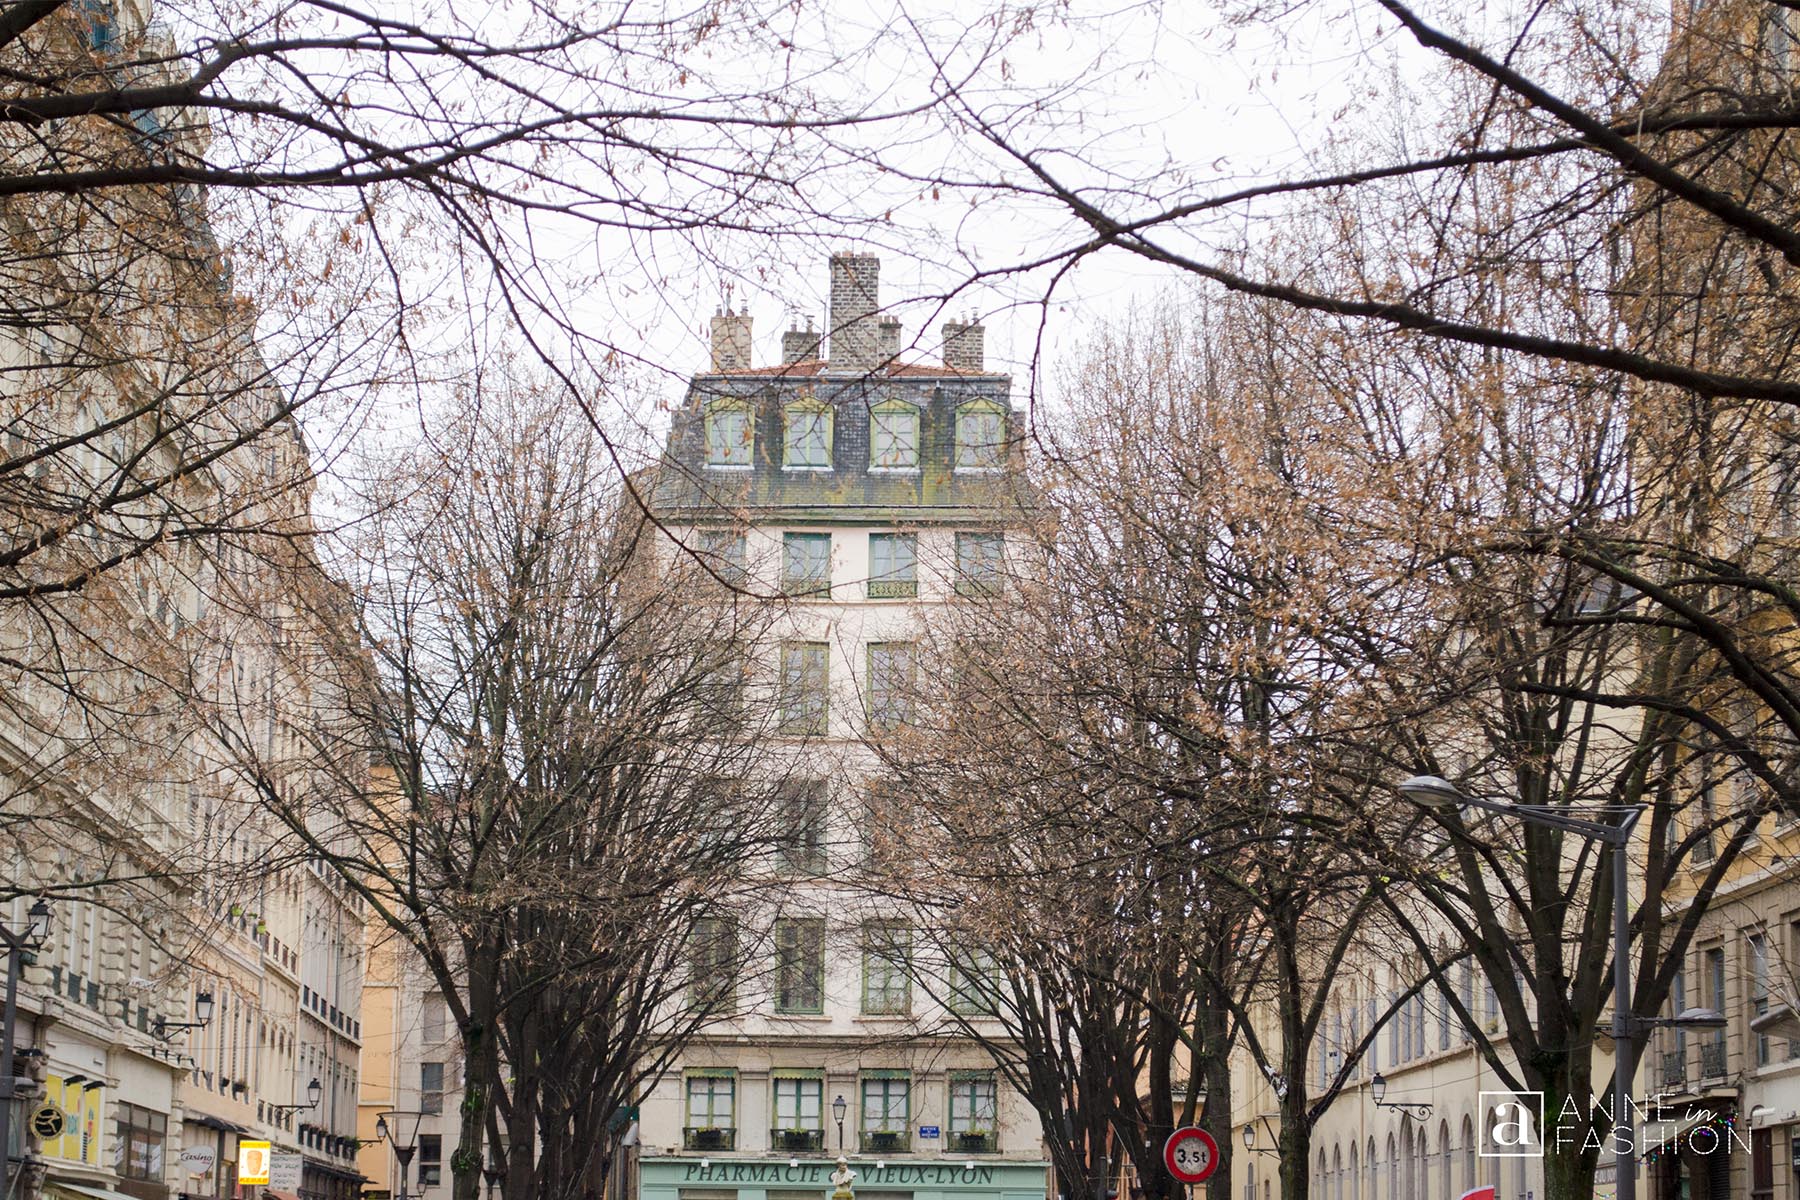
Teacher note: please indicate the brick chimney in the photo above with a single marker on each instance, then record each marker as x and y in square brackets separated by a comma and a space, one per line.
[731, 341]
[855, 295]
[887, 339]
[798, 345]
[963, 346]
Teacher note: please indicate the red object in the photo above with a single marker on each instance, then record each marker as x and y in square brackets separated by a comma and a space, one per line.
[1481, 1193]
[1192, 1156]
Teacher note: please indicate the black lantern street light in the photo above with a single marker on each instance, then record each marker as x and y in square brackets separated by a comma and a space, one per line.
[314, 1092]
[18, 945]
[838, 1108]
[400, 1130]
[1418, 1111]
[1250, 1139]
[203, 1013]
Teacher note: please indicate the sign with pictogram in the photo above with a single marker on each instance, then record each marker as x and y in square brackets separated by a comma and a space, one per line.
[253, 1163]
[1191, 1155]
[49, 1122]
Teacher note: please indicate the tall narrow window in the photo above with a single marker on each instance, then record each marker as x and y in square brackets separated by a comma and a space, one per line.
[804, 684]
[887, 983]
[711, 1110]
[799, 1111]
[1712, 1050]
[800, 966]
[802, 807]
[973, 1112]
[1705, 812]
[980, 436]
[886, 1111]
[974, 984]
[432, 1014]
[1758, 946]
[431, 1087]
[893, 436]
[714, 962]
[807, 438]
[890, 685]
[893, 565]
[891, 823]
[723, 552]
[979, 560]
[806, 564]
[431, 1159]
[730, 433]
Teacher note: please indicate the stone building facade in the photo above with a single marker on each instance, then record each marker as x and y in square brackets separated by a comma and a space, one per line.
[860, 491]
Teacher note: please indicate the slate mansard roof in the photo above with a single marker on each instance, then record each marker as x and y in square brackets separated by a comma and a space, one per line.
[849, 490]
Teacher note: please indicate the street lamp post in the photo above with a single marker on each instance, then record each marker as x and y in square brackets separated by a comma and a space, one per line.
[400, 1130]
[314, 1091]
[203, 1011]
[1433, 792]
[1417, 1110]
[839, 1106]
[18, 945]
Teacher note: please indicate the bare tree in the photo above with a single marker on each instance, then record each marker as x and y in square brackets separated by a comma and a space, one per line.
[563, 802]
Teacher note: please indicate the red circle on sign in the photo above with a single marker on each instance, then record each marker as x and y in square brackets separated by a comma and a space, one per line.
[1191, 1155]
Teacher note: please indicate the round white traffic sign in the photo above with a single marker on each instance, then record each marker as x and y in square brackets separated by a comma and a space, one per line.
[1191, 1155]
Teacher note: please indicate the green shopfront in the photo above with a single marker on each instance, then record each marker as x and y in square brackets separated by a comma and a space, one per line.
[691, 1177]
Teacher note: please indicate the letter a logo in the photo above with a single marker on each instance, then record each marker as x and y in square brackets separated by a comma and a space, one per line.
[1510, 1125]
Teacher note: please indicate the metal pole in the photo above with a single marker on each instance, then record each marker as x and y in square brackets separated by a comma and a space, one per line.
[7, 1086]
[1624, 1047]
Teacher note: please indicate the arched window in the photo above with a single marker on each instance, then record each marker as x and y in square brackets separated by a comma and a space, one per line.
[1337, 1173]
[806, 440]
[730, 428]
[1371, 1183]
[1355, 1176]
[894, 436]
[1468, 1151]
[1393, 1169]
[1421, 1164]
[1445, 1187]
[980, 436]
[1409, 1176]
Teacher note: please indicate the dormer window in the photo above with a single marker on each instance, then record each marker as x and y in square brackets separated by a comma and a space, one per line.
[730, 433]
[894, 436]
[807, 442]
[980, 436]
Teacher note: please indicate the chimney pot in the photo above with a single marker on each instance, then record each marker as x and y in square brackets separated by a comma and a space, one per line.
[731, 342]
[963, 346]
[855, 298]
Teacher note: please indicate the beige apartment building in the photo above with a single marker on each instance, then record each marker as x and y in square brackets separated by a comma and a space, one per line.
[196, 978]
[861, 488]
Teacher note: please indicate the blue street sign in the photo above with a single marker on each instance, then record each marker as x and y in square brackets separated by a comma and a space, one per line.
[928, 1132]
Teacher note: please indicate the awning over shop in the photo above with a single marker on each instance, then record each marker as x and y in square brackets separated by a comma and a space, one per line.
[85, 1191]
[326, 1168]
[212, 1122]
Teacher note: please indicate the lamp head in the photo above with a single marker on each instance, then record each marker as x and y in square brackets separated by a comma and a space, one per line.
[313, 1093]
[1378, 1087]
[1249, 1136]
[203, 1007]
[37, 928]
[1430, 791]
[839, 1106]
[381, 1129]
[1700, 1018]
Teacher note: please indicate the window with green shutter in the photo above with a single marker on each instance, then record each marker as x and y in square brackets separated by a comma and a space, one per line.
[887, 981]
[800, 966]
